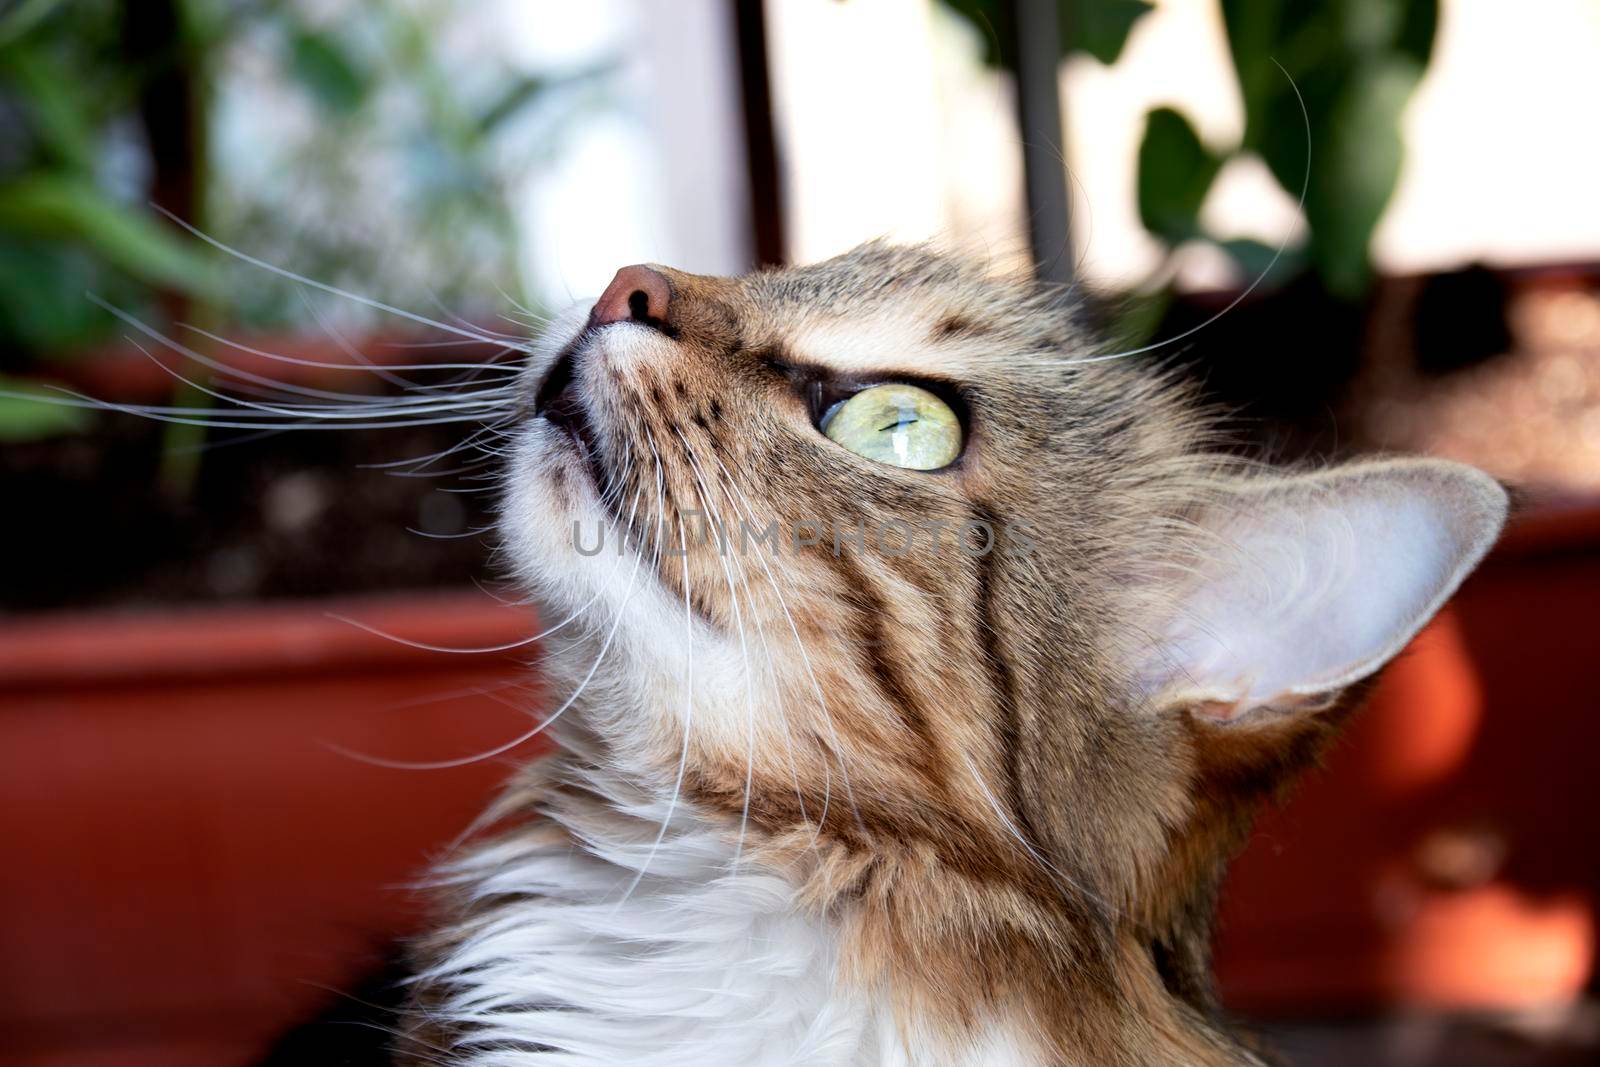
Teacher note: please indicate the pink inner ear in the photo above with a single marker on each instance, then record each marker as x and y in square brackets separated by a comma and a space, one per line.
[1304, 585]
[1217, 710]
[1244, 710]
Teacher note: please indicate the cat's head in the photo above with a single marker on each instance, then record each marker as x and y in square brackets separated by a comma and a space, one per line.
[906, 562]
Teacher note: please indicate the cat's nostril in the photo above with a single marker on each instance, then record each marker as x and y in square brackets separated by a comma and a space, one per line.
[636, 294]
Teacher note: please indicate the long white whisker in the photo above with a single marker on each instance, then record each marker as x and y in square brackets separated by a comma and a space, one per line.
[533, 317]
[346, 347]
[544, 724]
[488, 649]
[744, 649]
[185, 416]
[822, 703]
[366, 301]
[446, 343]
[723, 483]
[688, 683]
[368, 366]
[343, 413]
[421, 463]
[476, 531]
[285, 394]
[456, 694]
[1022, 840]
[386, 408]
[444, 309]
[471, 466]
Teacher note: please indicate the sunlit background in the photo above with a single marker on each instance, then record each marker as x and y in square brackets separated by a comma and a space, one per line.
[1359, 225]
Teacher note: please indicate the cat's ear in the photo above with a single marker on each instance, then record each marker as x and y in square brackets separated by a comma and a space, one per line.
[1300, 586]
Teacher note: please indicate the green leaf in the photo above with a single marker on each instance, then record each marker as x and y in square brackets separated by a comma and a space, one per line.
[70, 207]
[327, 70]
[1175, 173]
[60, 107]
[527, 89]
[1360, 151]
[1371, 27]
[1264, 35]
[1419, 27]
[24, 419]
[1258, 260]
[1352, 65]
[22, 17]
[1099, 27]
[982, 15]
[42, 283]
[518, 95]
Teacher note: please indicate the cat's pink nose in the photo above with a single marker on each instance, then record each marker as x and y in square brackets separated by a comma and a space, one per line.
[636, 294]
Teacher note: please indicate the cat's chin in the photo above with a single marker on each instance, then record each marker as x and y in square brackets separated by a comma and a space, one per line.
[562, 536]
[554, 489]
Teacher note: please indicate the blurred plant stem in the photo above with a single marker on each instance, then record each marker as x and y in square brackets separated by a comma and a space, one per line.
[174, 103]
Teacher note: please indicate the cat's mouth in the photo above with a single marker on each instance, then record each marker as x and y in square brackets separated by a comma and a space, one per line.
[559, 403]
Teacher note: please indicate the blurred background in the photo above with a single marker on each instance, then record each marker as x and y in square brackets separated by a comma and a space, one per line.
[1360, 225]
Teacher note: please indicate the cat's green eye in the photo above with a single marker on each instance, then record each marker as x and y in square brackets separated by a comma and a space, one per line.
[898, 424]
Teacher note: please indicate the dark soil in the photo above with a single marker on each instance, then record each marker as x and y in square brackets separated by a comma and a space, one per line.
[89, 519]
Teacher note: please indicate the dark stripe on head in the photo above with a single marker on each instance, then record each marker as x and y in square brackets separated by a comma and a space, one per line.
[877, 656]
[1002, 680]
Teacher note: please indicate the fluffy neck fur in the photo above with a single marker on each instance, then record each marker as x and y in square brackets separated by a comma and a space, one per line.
[656, 954]
[603, 922]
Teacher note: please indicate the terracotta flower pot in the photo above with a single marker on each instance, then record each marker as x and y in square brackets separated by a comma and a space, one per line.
[192, 863]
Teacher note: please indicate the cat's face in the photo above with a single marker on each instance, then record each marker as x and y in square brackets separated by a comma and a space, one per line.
[943, 618]
[976, 614]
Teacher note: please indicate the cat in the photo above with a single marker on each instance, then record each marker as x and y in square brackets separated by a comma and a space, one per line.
[919, 667]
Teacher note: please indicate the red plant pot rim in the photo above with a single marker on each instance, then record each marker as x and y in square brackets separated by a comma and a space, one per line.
[95, 648]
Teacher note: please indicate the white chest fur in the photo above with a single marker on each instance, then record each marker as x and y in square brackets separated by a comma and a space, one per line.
[592, 945]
